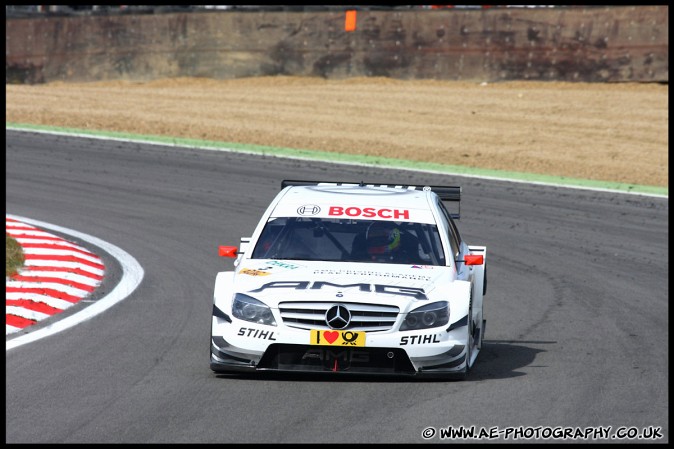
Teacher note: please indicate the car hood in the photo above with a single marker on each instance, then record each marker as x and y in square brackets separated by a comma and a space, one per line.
[276, 281]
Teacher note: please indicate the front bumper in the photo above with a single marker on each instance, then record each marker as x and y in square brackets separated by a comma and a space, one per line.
[288, 357]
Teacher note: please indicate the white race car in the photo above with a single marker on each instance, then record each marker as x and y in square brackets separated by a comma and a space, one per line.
[352, 278]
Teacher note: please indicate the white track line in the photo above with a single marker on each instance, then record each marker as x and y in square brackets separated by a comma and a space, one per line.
[65, 275]
[24, 241]
[57, 303]
[67, 289]
[49, 263]
[26, 313]
[62, 252]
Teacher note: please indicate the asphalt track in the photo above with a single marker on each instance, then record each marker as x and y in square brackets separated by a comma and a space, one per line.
[576, 308]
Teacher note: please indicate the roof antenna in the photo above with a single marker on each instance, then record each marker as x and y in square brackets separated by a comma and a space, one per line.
[362, 183]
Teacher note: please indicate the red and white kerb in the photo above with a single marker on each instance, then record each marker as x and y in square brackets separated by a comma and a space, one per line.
[56, 274]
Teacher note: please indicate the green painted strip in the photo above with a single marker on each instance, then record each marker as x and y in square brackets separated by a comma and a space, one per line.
[318, 155]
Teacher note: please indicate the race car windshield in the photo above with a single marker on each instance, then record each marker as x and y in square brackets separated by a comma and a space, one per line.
[349, 240]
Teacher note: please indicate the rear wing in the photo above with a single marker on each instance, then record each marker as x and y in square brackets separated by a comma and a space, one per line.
[445, 193]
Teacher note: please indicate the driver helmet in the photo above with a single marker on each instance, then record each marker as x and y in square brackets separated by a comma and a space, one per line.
[382, 238]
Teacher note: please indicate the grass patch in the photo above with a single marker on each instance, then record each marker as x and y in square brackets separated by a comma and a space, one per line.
[14, 256]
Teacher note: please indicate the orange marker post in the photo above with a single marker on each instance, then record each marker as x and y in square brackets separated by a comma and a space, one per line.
[350, 22]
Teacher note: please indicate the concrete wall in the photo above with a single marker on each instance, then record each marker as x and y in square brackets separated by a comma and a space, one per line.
[598, 44]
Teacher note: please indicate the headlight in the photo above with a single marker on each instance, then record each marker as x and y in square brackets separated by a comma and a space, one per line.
[250, 309]
[430, 315]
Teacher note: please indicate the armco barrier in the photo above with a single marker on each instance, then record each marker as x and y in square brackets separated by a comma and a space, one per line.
[593, 44]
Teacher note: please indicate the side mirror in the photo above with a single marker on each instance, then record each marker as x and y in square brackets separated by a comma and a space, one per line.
[243, 247]
[227, 251]
[471, 259]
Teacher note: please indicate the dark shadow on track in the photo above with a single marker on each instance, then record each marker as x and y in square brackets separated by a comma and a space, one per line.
[504, 359]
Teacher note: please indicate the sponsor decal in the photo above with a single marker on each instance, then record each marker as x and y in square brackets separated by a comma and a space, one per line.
[280, 264]
[419, 339]
[308, 210]
[271, 265]
[251, 272]
[352, 272]
[415, 292]
[337, 338]
[328, 355]
[338, 317]
[256, 333]
[369, 212]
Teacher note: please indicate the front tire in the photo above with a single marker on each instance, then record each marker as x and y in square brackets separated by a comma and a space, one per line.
[484, 281]
[469, 342]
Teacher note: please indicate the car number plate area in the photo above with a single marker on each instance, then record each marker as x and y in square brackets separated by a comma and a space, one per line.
[337, 338]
